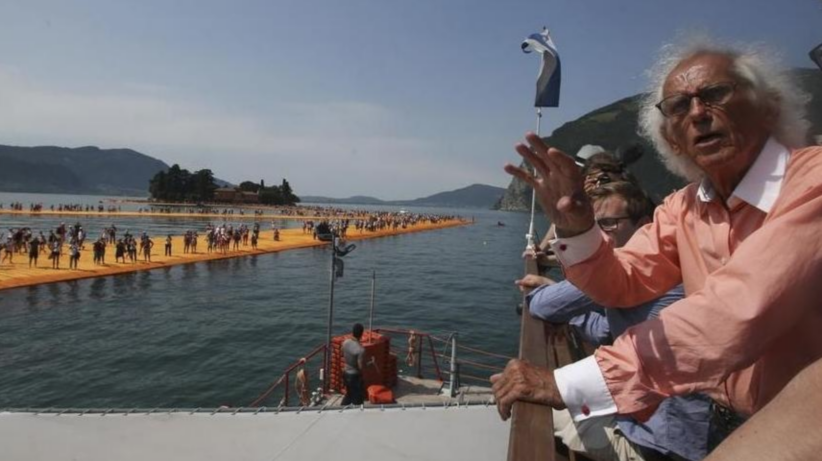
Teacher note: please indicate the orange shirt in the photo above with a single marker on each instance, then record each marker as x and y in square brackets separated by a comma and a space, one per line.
[752, 271]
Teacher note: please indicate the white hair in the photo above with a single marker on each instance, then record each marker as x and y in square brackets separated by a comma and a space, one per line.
[760, 68]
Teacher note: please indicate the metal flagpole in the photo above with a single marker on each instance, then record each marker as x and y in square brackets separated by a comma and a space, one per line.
[328, 360]
[531, 244]
[530, 422]
[373, 293]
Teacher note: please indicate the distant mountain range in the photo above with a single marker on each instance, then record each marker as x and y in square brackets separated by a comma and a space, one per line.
[473, 196]
[82, 170]
[94, 171]
[615, 126]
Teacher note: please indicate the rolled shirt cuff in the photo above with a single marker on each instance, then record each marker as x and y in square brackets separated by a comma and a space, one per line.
[583, 390]
[576, 249]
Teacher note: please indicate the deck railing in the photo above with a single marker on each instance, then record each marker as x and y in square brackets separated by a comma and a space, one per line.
[548, 346]
[422, 358]
[285, 379]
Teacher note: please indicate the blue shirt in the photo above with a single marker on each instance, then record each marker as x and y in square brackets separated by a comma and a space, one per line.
[680, 425]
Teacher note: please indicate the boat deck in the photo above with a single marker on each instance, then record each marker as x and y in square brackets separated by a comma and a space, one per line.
[456, 432]
[413, 391]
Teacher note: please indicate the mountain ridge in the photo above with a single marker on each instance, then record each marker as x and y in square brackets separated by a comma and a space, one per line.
[78, 170]
[472, 196]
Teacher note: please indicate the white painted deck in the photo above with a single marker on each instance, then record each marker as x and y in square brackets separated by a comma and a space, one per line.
[465, 432]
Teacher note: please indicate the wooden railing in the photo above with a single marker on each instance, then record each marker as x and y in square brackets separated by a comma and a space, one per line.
[532, 425]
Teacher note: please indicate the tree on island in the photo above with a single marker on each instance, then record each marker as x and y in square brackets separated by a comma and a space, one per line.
[180, 185]
[288, 194]
[204, 185]
[249, 186]
[278, 195]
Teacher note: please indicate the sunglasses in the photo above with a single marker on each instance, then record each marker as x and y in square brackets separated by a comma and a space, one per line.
[610, 224]
[714, 95]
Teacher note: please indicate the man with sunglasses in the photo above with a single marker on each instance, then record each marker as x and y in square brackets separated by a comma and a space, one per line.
[600, 168]
[679, 428]
[743, 238]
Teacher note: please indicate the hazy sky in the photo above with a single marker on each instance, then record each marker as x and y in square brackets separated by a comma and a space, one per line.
[394, 99]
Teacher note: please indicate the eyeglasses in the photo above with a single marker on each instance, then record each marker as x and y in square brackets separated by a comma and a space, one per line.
[713, 95]
[610, 224]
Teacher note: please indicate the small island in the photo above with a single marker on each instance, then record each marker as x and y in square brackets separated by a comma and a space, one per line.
[178, 185]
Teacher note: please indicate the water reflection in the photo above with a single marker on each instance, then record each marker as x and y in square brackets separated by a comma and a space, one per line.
[54, 290]
[33, 296]
[124, 282]
[144, 280]
[189, 271]
[73, 291]
[97, 288]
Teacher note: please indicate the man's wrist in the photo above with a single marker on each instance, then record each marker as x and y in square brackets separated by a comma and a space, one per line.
[552, 396]
[576, 249]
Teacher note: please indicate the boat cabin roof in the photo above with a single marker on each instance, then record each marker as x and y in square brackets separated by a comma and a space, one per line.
[454, 432]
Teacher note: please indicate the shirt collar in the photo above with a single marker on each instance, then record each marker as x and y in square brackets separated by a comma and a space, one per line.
[761, 184]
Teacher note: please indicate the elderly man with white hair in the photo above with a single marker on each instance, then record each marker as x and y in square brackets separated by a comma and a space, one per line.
[745, 239]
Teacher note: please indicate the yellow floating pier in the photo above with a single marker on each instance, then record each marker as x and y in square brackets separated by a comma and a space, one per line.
[154, 214]
[18, 274]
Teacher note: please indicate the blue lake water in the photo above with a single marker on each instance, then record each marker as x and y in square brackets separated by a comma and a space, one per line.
[213, 333]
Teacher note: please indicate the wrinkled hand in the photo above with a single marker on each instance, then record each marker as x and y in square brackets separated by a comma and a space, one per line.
[531, 281]
[523, 381]
[558, 186]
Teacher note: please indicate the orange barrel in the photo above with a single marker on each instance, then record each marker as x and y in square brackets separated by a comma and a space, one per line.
[377, 359]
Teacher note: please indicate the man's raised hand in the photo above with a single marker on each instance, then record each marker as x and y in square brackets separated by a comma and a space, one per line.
[558, 185]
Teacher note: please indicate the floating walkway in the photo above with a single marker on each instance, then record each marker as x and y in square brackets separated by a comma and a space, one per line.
[18, 274]
[155, 214]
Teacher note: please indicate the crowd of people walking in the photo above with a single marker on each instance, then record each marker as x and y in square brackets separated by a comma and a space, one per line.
[61, 207]
[71, 240]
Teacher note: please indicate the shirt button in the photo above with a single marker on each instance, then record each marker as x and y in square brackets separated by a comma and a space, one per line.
[563, 247]
[585, 410]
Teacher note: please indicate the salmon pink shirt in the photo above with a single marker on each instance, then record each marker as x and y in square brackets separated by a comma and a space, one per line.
[752, 271]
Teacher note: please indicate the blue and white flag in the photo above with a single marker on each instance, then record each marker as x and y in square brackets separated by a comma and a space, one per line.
[549, 73]
[816, 55]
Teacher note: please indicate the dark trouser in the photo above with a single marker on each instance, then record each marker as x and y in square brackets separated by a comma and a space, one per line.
[649, 454]
[723, 422]
[354, 392]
